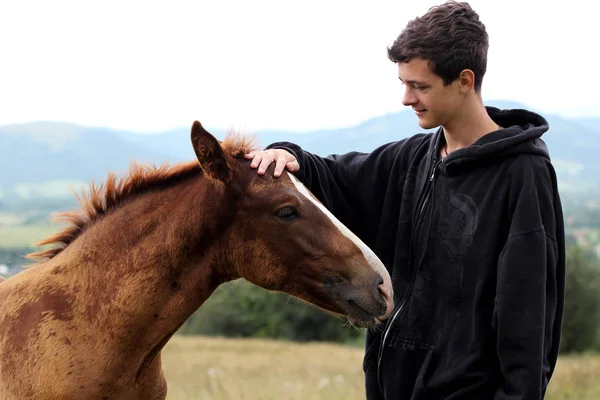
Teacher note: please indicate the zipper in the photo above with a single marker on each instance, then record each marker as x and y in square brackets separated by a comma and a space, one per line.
[408, 291]
[388, 326]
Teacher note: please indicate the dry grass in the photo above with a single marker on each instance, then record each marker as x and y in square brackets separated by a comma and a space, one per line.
[200, 368]
[577, 378]
[251, 369]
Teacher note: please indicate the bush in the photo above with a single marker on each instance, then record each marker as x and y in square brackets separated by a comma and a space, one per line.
[581, 321]
[241, 309]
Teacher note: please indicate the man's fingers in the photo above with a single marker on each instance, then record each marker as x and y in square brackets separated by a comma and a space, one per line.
[262, 159]
[256, 160]
[279, 166]
[264, 163]
[293, 166]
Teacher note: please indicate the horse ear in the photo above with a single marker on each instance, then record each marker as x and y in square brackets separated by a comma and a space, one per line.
[210, 154]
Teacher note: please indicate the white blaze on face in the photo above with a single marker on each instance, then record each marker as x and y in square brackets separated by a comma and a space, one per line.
[371, 258]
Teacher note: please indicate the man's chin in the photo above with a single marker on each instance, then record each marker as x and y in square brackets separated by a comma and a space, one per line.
[425, 124]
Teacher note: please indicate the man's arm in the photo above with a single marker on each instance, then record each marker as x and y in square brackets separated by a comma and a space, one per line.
[352, 186]
[530, 285]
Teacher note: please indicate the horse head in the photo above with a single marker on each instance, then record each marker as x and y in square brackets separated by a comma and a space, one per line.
[282, 238]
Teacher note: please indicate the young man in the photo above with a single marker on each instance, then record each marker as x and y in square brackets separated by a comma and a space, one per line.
[468, 221]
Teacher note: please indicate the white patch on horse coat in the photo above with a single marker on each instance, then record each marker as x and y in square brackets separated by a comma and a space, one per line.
[371, 258]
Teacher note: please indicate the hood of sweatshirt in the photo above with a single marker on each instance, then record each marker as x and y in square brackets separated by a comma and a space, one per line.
[520, 134]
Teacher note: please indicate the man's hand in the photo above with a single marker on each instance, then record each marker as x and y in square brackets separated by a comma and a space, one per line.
[282, 158]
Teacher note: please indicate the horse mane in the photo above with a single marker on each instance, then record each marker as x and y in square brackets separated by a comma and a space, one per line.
[102, 198]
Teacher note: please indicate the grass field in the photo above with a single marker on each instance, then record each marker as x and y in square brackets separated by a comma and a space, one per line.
[200, 368]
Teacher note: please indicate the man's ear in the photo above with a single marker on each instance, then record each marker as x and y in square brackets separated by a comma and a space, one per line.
[213, 160]
[466, 80]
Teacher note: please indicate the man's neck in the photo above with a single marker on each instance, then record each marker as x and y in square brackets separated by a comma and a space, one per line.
[470, 125]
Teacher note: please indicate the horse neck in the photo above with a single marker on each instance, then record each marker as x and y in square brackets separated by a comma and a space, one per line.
[148, 265]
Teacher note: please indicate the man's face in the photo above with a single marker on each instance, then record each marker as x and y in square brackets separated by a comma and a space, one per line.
[434, 103]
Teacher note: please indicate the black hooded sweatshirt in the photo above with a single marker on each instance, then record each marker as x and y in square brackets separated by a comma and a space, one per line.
[474, 243]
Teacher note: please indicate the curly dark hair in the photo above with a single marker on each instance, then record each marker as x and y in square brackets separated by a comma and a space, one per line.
[450, 36]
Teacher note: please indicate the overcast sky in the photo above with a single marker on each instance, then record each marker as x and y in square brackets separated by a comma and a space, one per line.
[149, 66]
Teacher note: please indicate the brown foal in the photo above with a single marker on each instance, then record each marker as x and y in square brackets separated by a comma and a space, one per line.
[89, 320]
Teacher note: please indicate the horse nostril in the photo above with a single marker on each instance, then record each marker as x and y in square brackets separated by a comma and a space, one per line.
[385, 294]
[379, 287]
[379, 281]
[382, 292]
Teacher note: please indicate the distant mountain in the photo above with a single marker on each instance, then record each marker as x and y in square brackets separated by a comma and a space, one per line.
[49, 151]
[47, 159]
[592, 124]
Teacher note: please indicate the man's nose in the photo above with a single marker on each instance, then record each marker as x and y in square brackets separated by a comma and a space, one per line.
[409, 98]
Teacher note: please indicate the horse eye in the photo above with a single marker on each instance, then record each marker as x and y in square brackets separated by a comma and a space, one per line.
[287, 213]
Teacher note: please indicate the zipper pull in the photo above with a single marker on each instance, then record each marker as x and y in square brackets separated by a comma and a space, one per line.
[433, 171]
